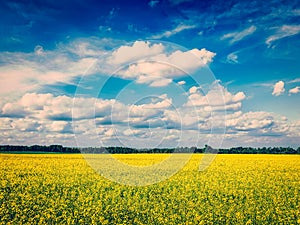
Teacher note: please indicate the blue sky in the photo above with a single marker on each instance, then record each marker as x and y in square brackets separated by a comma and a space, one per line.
[159, 73]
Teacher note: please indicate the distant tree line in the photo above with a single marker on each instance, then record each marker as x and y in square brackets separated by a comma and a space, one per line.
[38, 148]
[263, 150]
[126, 150]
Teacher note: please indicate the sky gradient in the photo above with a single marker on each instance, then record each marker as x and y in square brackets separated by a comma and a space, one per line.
[150, 73]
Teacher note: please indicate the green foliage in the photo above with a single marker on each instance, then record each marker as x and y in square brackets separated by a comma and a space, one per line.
[125, 150]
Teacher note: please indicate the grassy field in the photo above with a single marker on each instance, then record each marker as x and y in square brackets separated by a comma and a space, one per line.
[235, 189]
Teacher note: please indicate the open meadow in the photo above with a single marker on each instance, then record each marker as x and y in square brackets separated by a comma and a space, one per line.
[235, 189]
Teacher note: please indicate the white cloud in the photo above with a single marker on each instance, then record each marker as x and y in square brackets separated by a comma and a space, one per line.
[160, 83]
[294, 129]
[282, 32]
[160, 69]
[182, 82]
[238, 97]
[294, 90]
[31, 117]
[238, 36]
[297, 80]
[61, 108]
[17, 79]
[148, 72]
[53, 114]
[13, 110]
[33, 101]
[39, 50]
[232, 58]
[262, 124]
[26, 125]
[193, 90]
[86, 48]
[257, 124]
[217, 98]
[5, 124]
[23, 72]
[278, 88]
[169, 33]
[204, 55]
[133, 132]
[139, 49]
[60, 127]
[48, 117]
[31, 72]
[46, 107]
[253, 121]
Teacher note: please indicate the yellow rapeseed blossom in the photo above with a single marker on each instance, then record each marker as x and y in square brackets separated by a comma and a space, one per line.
[235, 189]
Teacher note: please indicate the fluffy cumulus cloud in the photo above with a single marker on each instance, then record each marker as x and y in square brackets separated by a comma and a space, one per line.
[182, 82]
[13, 110]
[28, 114]
[294, 90]
[139, 50]
[144, 62]
[26, 125]
[63, 108]
[217, 98]
[49, 114]
[158, 69]
[278, 88]
[61, 127]
[62, 118]
[250, 127]
[253, 121]
[294, 129]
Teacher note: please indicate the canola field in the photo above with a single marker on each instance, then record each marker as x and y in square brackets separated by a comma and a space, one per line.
[235, 189]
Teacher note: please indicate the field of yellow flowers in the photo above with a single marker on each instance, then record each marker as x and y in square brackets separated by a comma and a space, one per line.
[235, 189]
